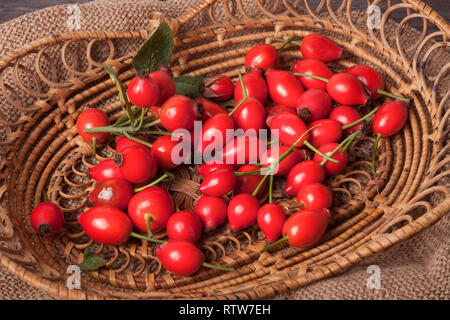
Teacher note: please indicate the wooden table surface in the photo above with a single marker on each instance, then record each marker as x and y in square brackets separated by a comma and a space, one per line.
[10, 9]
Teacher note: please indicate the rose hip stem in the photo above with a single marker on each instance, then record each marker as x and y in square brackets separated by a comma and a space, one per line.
[155, 182]
[380, 91]
[139, 236]
[285, 43]
[270, 188]
[145, 143]
[244, 93]
[345, 144]
[122, 94]
[293, 42]
[374, 154]
[273, 165]
[361, 119]
[212, 266]
[274, 244]
[94, 146]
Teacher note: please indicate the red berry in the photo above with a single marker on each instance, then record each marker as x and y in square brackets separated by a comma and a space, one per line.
[314, 104]
[315, 196]
[47, 219]
[273, 111]
[211, 210]
[137, 164]
[178, 112]
[324, 131]
[214, 133]
[313, 67]
[369, 77]
[114, 192]
[270, 219]
[218, 88]
[287, 128]
[320, 47]
[305, 227]
[143, 91]
[251, 115]
[248, 183]
[165, 83]
[242, 211]
[262, 56]
[184, 225]
[284, 87]
[346, 115]
[106, 225]
[209, 108]
[180, 257]
[124, 142]
[254, 84]
[92, 118]
[242, 150]
[282, 168]
[390, 118]
[303, 173]
[153, 201]
[332, 168]
[211, 166]
[162, 150]
[218, 183]
[346, 89]
[105, 170]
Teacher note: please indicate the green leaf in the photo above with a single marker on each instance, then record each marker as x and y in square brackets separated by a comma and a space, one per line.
[91, 261]
[156, 51]
[188, 85]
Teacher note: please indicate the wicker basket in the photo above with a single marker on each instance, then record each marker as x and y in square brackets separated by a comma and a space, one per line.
[46, 83]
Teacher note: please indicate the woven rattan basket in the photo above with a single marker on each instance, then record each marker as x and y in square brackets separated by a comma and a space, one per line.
[45, 84]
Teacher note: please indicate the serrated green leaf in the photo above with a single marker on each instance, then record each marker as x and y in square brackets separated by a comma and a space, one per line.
[188, 85]
[156, 51]
[91, 261]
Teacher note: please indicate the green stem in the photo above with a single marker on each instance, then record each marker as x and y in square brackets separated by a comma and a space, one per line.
[94, 146]
[388, 94]
[44, 196]
[151, 124]
[270, 246]
[153, 183]
[309, 145]
[310, 76]
[258, 187]
[141, 119]
[349, 142]
[374, 154]
[148, 219]
[139, 236]
[298, 205]
[293, 42]
[145, 143]
[212, 266]
[246, 173]
[162, 133]
[344, 142]
[244, 93]
[361, 119]
[108, 129]
[285, 43]
[270, 188]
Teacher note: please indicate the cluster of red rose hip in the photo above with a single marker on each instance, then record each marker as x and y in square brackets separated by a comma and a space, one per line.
[297, 118]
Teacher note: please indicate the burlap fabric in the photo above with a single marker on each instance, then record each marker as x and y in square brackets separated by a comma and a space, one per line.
[415, 269]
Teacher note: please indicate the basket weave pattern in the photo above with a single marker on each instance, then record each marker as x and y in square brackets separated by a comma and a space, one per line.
[45, 85]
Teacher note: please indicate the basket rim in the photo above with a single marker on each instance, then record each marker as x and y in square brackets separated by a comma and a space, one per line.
[59, 290]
